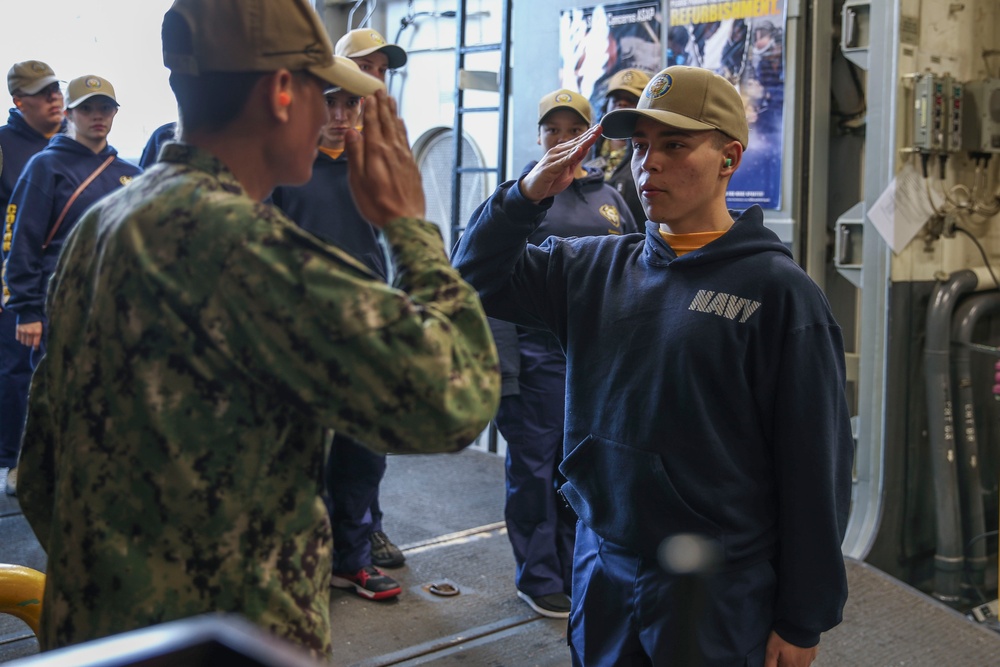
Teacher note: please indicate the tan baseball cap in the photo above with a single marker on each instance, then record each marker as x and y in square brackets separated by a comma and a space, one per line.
[688, 98]
[254, 36]
[341, 61]
[631, 81]
[564, 99]
[362, 41]
[87, 86]
[29, 77]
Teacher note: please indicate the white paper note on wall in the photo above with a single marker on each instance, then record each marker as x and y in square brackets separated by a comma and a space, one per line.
[902, 209]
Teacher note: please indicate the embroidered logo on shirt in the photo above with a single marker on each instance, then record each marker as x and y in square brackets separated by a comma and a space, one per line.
[611, 214]
[724, 305]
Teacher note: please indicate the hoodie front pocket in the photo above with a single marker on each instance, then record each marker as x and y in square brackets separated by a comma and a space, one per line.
[625, 495]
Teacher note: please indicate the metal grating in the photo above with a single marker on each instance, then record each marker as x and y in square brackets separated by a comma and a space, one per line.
[435, 155]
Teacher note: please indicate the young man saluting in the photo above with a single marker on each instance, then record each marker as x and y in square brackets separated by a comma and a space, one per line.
[705, 392]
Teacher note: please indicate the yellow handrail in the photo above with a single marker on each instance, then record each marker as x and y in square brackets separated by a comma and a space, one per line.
[21, 590]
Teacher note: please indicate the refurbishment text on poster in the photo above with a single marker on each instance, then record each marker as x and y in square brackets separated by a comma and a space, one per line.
[595, 42]
[743, 41]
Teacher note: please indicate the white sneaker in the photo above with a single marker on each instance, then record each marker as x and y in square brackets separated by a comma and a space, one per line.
[11, 486]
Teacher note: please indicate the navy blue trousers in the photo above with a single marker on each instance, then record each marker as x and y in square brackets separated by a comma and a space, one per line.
[353, 475]
[15, 380]
[539, 524]
[629, 612]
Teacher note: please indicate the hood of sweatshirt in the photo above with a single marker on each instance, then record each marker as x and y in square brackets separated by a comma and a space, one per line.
[64, 144]
[16, 122]
[747, 236]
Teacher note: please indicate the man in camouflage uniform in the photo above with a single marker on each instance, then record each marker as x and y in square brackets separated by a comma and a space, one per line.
[200, 343]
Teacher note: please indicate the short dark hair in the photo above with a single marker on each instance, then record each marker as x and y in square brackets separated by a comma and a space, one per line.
[720, 139]
[211, 101]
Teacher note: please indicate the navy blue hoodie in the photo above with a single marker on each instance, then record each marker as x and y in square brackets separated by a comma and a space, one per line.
[622, 181]
[48, 181]
[324, 207]
[705, 393]
[588, 207]
[160, 136]
[18, 141]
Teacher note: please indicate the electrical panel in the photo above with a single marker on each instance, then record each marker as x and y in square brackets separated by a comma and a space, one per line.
[981, 116]
[933, 118]
[955, 111]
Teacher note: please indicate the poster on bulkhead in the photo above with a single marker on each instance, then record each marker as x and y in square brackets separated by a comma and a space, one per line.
[595, 42]
[743, 41]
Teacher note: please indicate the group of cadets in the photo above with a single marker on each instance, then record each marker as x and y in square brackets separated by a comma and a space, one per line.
[253, 305]
[58, 163]
[76, 166]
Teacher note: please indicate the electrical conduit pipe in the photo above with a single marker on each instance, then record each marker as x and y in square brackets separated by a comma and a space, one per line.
[949, 560]
[967, 315]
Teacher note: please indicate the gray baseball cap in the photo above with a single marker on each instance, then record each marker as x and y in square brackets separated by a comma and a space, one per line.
[29, 77]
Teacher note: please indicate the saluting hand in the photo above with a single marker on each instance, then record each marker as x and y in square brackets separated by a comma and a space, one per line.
[385, 181]
[557, 168]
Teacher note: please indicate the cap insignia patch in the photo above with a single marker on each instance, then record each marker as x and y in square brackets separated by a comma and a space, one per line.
[659, 86]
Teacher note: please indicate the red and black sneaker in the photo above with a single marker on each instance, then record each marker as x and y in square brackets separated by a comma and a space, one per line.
[368, 582]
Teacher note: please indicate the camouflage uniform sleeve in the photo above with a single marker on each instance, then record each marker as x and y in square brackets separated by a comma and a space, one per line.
[37, 461]
[404, 368]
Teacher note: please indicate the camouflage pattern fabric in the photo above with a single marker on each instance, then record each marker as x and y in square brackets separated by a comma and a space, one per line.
[199, 345]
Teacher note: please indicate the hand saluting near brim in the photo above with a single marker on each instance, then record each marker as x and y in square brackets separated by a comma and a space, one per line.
[557, 168]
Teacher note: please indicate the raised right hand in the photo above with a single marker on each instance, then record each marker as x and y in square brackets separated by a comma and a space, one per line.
[385, 181]
[557, 168]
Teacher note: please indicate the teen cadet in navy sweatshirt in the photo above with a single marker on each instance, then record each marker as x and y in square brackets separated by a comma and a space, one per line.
[47, 184]
[705, 394]
[539, 526]
[324, 207]
[37, 116]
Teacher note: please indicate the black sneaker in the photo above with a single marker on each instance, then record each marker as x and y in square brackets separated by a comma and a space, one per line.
[384, 552]
[368, 582]
[554, 605]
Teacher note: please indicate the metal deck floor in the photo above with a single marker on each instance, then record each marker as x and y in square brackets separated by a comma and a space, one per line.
[446, 511]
